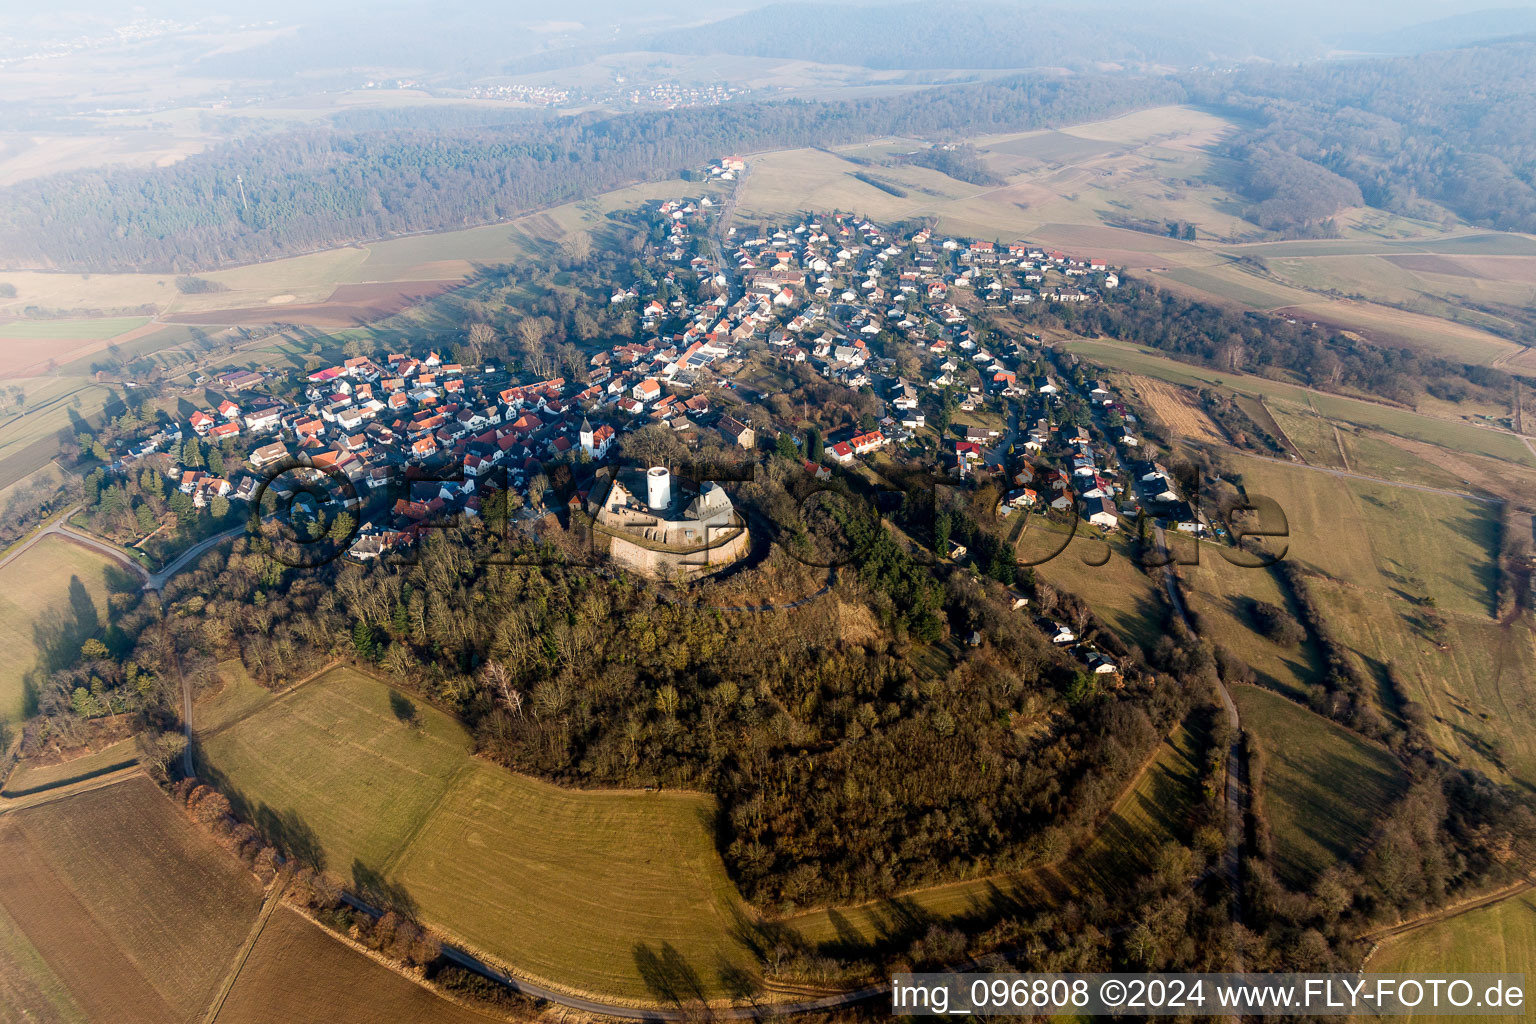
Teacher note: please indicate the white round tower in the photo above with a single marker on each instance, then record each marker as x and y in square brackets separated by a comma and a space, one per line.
[658, 488]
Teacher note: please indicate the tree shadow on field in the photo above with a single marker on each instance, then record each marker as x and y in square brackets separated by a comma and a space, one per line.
[286, 830]
[372, 887]
[403, 708]
[291, 834]
[59, 631]
[740, 984]
[668, 975]
[120, 580]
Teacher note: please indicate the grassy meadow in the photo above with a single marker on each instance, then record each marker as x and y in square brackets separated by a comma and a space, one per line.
[1219, 594]
[30, 778]
[53, 596]
[1479, 689]
[1500, 937]
[1323, 786]
[571, 887]
[1120, 594]
[579, 888]
[117, 908]
[1395, 541]
[339, 758]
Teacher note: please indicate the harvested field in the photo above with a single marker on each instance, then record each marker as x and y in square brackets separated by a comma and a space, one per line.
[134, 912]
[299, 974]
[29, 347]
[1178, 409]
[29, 989]
[350, 305]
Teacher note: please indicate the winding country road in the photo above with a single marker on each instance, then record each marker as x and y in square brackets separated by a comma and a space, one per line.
[626, 1012]
[157, 580]
[152, 580]
[58, 528]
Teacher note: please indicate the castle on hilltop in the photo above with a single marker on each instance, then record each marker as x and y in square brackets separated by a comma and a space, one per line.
[672, 529]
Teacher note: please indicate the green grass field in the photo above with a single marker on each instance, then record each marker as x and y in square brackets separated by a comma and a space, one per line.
[1391, 540]
[1120, 594]
[338, 757]
[1323, 786]
[577, 889]
[28, 777]
[1497, 938]
[53, 596]
[1479, 691]
[1232, 284]
[238, 697]
[1219, 593]
[87, 330]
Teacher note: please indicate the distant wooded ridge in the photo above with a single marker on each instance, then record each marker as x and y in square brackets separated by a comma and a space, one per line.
[1419, 136]
[1452, 129]
[314, 190]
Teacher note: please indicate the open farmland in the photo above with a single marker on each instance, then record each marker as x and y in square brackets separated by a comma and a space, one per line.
[578, 888]
[1220, 594]
[1323, 786]
[1178, 409]
[1153, 811]
[1384, 554]
[1500, 937]
[1310, 434]
[341, 762]
[1454, 434]
[299, 974]
[38, 346]
[1395, 541]
[1420, 331]
[53, 596]
[29, 440]
[573, 888]
[1479, 688]
[29, 989]
[119, 907]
